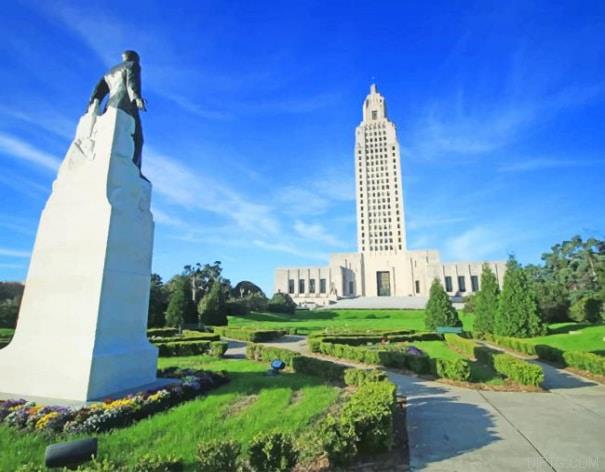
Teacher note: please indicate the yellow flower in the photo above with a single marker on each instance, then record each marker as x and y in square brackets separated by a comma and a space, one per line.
[42, 422]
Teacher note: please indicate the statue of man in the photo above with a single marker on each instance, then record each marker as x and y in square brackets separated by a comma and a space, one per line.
[123, 84]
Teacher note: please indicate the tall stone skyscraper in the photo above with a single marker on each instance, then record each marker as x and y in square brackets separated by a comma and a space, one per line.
[383, 265]
[380, 217]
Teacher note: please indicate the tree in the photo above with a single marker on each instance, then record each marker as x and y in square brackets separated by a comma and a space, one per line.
[245, 288]
[517, 314]
[158, 302]
[212, 308]
[202, 277]
[281, 303]
[586, 309]
[179, 302]
[552, 296]
[439, 309]
[486, 302]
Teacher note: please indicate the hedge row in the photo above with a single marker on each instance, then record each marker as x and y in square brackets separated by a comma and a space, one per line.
[251, 335]
[358, 377]
[4, 342]
[192, 348]
[457, 369]
[162, 332]
[196, 337]
[462, 345]
[327, 370]
[374, 339]
[363, 424]
[511, 367]
[587, 361]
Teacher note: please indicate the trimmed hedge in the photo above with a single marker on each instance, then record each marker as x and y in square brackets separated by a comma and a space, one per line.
[364, 424]
[192, 348]
[358, 377]
[258, 352]
[511, 367]
[592, 363]
[457, 369]
[196, 337]
[162, 332]
[462, 345]
[251, 335]
[362, 340]
[324, 369]
[327, 370]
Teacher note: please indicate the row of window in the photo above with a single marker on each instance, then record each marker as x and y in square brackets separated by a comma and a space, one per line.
[462, 283]
[301, 286]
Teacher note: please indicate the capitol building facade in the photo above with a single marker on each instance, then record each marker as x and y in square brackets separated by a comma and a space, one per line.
[382, 265]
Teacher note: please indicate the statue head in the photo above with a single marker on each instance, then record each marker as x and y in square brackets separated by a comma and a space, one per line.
[129, 55]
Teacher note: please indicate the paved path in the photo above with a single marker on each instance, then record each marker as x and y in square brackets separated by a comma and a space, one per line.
[455, 429]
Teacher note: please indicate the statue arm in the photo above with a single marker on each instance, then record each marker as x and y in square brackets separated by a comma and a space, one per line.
[133, 83]
[99, 91]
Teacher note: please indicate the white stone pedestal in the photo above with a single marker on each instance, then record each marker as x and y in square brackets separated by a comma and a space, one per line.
[81, 332]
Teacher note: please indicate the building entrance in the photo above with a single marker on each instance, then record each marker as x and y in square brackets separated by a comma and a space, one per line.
[384, 284]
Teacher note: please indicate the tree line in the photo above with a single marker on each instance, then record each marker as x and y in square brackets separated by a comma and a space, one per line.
[569, 285]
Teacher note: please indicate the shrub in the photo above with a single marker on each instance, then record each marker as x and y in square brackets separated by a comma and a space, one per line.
[237, 307]
[456, 369]
[517, 314]
[586, 308]
[252, 335]
[258, 352]
[515, 369]
[187, 338]
[192, 348]
[334, 437]
[439, 309]
[458, 343]
[518, 370]
[212, 308]
[281, 303]
[152, 463]
[587, 361]
[272, 452]
[218, 455]
[486, 301]
[325, 369]
[161, 332]
[370, 411]
[9, 311]
[358, 377]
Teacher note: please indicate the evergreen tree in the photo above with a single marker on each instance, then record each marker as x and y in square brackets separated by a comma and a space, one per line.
[439, 309]
[486, 302]
[158, 303]
[179, 302]
[281, 303]
[212, 308]
[517, 314]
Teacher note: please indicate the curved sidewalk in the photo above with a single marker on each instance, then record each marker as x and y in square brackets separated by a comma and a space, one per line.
[454, 429]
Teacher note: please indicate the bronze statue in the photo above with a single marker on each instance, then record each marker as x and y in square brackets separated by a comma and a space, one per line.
[123, 84]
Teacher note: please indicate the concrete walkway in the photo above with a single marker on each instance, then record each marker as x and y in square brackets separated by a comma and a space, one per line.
[455, 429]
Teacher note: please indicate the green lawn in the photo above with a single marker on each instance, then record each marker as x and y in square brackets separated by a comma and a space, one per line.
[586, 337]
[250, 403]
[306, 321]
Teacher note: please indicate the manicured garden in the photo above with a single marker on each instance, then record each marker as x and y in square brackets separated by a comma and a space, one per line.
[252, 402]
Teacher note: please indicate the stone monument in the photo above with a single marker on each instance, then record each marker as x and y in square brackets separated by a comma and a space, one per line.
[81, 331]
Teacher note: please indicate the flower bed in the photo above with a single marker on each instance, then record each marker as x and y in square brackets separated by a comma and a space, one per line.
[112, 413]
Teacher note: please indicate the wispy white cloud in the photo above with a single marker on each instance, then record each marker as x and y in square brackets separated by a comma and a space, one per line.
[290, 249]
[478, 243]
[16, 147]
[8, 252]
[530, 165]
[317, 232]
[22, 184]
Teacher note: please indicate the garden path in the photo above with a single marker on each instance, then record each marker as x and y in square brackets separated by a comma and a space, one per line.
[456, 429]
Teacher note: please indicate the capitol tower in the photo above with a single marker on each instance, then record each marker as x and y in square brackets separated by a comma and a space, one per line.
[384, 272]
[380, 217]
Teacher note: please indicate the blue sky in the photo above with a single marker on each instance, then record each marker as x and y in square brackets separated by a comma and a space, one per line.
[499, 106]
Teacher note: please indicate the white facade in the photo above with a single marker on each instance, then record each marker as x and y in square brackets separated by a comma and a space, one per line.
[383, 266]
